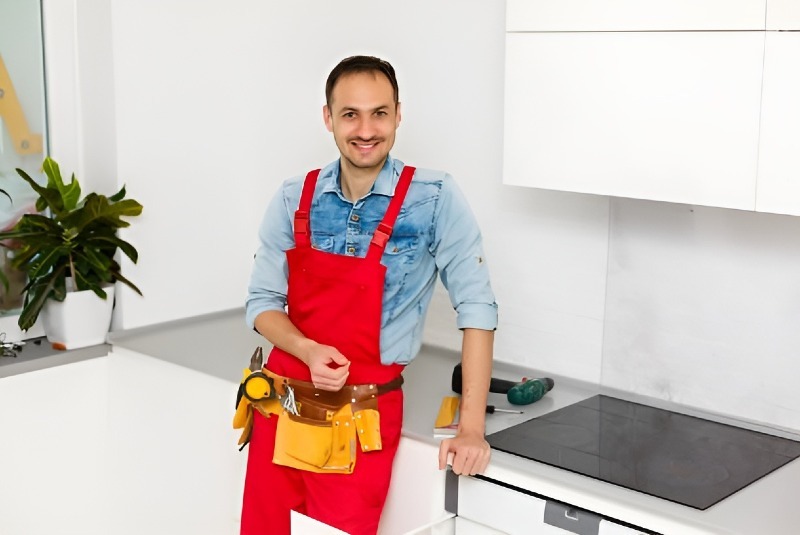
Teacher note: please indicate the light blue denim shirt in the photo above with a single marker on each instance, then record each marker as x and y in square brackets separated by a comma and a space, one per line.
[435, 233]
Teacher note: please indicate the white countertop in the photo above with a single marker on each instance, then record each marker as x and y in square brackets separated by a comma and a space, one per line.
[220, 345]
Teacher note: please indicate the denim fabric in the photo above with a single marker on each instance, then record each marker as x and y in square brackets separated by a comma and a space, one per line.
[435, 233]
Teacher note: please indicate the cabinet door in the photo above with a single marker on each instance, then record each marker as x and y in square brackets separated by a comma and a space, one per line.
[416, 494]
[779, 158]
[669, 116]
[304, 525]
[783, 15]
[634, 15]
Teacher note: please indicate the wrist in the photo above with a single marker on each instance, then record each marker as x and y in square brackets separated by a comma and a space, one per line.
[304, 349]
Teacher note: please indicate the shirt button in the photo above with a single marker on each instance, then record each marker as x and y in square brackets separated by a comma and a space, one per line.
[354, 217]
[351, 250]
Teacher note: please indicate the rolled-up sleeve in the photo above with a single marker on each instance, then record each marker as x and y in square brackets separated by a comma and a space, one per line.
[458, 250]
[269, 277]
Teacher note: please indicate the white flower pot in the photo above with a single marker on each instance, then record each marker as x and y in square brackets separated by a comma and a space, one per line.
[81, 320]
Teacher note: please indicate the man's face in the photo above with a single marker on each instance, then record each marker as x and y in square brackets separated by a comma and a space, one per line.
[363, 118]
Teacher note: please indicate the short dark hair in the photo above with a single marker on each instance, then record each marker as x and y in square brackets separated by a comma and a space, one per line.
[357, 64]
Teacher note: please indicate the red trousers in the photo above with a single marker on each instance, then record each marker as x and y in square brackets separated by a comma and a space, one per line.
[349, 502]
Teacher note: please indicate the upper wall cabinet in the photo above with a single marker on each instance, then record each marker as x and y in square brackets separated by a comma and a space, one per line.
[779, 155]
[670, 116]
[783, 15]
[637, 15]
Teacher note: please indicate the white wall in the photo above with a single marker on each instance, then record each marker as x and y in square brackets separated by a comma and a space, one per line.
[216, 103]
[703, 307]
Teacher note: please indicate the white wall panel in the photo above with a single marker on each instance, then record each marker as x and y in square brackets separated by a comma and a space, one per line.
[668, 116]
[779, 155]
[634, 15]
[702, 309]
[783, 15]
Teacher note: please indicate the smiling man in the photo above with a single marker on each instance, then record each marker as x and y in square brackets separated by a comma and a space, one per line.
[341, 284]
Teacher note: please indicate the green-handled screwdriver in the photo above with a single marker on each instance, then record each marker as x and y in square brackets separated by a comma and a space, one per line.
[491, 409]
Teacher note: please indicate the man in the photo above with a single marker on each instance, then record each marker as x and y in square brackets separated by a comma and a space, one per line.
[354, 251]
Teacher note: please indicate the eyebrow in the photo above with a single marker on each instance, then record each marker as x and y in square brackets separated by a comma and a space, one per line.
[347, 109]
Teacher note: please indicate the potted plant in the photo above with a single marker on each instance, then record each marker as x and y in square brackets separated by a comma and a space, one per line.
[69, 258]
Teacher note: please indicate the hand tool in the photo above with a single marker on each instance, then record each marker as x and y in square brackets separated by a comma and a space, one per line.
[524, 392]
[491, 409]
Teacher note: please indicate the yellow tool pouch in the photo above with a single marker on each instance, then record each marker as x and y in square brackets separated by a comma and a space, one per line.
[368, 428]
[316, 445]
[317, 430]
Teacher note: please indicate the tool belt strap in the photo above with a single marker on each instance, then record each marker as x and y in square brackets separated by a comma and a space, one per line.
[357, 395]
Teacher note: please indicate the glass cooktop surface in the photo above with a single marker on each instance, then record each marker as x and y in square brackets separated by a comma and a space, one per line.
[684, 459]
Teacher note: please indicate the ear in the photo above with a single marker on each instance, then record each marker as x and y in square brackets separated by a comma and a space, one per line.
[397, 116]
[326, 116]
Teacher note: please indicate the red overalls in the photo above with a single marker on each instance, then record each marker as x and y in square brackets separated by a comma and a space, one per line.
[335, 300]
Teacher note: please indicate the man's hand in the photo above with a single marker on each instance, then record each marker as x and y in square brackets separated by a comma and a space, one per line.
[470, 453]
[329, 368]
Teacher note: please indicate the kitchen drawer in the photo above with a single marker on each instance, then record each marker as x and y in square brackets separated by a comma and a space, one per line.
[498, 509]
[611, 528]
[456, 526]
[502, 509]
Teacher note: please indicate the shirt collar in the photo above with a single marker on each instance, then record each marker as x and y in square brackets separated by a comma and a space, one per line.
[384, 184]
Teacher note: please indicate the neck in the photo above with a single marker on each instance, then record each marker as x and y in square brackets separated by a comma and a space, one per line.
[357, 181]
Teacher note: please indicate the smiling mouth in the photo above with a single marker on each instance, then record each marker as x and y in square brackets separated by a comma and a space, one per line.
[364, 146]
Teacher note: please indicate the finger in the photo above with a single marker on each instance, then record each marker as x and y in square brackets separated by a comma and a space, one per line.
[339, 359]
[444, 450]
[484, 463]
[459, 458]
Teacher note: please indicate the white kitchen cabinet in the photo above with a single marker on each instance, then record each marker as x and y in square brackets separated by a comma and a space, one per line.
[497, 509]
[779, 157]
[501, 508]
[416, 468]
[635, 15]
[610, 528]
[783, 15]
[670, 116]
[304, 525]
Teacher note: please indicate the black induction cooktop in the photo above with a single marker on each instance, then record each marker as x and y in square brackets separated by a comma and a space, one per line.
[684, 459]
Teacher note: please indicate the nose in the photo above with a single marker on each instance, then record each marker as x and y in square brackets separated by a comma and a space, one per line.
[366, 128]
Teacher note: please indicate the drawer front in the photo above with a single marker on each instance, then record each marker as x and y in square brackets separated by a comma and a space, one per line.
[502, 509]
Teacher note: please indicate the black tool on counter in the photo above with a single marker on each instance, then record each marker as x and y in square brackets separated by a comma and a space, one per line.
[524, 392]
[491, 409]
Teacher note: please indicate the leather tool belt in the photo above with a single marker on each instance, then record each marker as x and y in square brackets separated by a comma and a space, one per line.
[317, 429]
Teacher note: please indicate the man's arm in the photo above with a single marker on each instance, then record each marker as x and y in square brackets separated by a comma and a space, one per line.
[275, 326]
[469, 449]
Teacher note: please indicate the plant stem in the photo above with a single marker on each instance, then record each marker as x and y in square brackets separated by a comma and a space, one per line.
[72, 272]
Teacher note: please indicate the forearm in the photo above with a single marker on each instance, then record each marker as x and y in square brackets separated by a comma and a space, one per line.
[278, 329]
[476, 364]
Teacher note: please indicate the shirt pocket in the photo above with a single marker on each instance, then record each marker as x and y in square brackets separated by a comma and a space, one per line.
[322, 242]
[401, 251]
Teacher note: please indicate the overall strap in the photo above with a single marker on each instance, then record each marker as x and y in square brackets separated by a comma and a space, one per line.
[302, 228]
[384, 230]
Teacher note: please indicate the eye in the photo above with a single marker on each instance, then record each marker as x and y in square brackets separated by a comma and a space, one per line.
[381, 113]
[349, 115]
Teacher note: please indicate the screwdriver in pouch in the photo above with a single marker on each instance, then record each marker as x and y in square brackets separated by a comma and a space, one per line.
[491, 409]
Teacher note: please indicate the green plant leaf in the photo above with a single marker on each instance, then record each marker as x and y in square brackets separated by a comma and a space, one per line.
[124, 246]
[129, 284]
[97, 209]
[48, 198]
[118, 196]
[69, 193]
[35, 297]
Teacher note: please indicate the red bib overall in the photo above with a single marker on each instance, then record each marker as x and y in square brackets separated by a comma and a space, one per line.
[335, 300]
